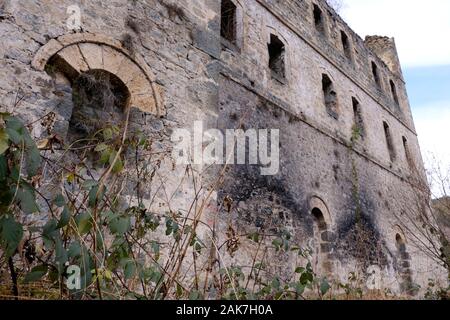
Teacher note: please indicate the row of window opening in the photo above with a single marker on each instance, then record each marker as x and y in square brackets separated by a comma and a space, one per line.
[358, 129]
[277, 49]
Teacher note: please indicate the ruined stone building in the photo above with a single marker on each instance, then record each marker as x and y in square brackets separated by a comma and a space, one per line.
[349, 151]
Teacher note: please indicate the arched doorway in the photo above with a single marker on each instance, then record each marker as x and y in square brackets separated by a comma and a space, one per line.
[323, 238]
[404, 265]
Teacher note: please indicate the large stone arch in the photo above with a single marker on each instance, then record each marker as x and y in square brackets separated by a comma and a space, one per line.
[316, 202]
[82, 52]
[324, 238]
[398, 232]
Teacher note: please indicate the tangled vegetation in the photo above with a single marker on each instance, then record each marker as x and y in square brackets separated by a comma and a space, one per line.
[124, 250]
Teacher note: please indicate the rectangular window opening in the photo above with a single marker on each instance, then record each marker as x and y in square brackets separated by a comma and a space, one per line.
[330, 96]
[358, 127]
[277, 57]
[318, 19]
[390, 144]
[408, 155]
[376, 76]
[394, 93]
[228, 22]
[346, 45]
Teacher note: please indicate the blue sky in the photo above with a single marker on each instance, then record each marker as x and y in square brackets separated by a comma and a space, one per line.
[421, 30]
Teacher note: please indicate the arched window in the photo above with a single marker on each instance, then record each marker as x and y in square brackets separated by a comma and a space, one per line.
[400, 242]
[408, 155]
[390, 144]
[358, 122]
[404, 265]
[319, 219]
[376, 75]
[330, 96]
[277, 57]
[323, 237]
[228, 21]
[394, 92]
[319, 22]
[346, 45]
[323, 245]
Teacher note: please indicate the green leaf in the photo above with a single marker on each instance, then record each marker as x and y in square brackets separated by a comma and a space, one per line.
[129, 269]
[11, 233]
[84, 223]
[255, 237]
[33, 160]
[27, 200]
[194, 295]
[89, 184]
[3, 168]
[59, 201]
[275, 283]
[104, 157]
[61, 256]
[100, 238]
[50, 233]
[4, 141]
[299, 288]
[101, 147]
[107, 134]
[324, 287]
[65, 218]
[74, 250]
[36, 274]
[15, 130]
[94, 196]
[118, 166]
[19, 135]
[277, 243]
[299, 270]
[306, 278]
[85, 262]
[156, 249]
[179, 291]
[120, 225]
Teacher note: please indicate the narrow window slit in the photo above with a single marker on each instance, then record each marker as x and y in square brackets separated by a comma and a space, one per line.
[375, 74]
[394, 92]
[390, 144]
[408, 155]
[346, 45]
[358, 126]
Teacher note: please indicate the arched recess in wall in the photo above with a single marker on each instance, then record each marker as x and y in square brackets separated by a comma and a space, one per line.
[233, 24]
[317, 202]
[82, 53]
[323, 237]
[271, 34]
[403, 261]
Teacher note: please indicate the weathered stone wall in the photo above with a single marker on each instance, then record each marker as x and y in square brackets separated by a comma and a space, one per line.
[197, 80]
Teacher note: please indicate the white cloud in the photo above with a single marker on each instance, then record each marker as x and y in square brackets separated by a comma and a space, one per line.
[421, 28]
[433, 127]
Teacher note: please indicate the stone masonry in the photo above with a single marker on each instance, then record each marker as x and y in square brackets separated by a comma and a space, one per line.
[348, 147]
